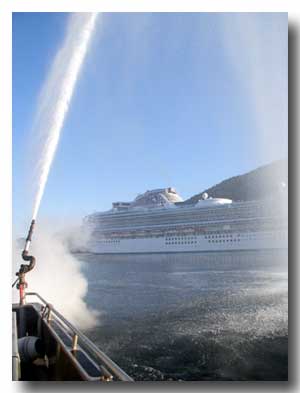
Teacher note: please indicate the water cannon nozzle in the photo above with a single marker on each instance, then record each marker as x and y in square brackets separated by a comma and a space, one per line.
[28, 239]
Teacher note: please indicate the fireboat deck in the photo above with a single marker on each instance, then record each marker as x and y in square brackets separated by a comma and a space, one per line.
[63, 353]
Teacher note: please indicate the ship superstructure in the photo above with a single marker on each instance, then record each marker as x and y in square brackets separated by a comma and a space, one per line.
[159, 221]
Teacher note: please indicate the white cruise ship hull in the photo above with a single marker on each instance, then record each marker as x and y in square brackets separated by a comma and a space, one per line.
[193, 243]
[159, 222]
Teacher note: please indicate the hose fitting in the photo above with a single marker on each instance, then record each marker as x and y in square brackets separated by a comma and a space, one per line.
[22, 285]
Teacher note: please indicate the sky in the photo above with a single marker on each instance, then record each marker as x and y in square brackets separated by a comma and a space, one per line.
[163, 99]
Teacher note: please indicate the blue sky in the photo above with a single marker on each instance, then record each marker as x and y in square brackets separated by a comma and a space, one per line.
[182, 100]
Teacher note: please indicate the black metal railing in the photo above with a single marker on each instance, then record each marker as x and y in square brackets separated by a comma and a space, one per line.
[78, 341]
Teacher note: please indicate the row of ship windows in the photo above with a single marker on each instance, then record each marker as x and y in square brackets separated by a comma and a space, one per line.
[215, 236]
[211, 238]
[178, 231]
[182, 242]
[181, 238]
[110, 241]
[224, 240]
[227, 235]
[179, 216]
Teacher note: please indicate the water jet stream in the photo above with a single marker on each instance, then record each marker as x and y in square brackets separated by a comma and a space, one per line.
[57, 93]
[53, 105]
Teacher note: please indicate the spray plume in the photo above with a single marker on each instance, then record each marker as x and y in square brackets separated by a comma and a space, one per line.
[57, 93]
[53, 106]
[57, 275]
[256, 47]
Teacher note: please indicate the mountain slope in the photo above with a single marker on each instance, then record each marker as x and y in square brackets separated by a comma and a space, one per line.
[257, 184]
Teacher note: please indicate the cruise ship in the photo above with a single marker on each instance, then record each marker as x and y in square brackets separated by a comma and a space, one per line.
[159, 221]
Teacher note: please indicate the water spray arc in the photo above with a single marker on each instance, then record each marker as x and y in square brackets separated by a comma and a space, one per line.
[70, 57]
[53, 107]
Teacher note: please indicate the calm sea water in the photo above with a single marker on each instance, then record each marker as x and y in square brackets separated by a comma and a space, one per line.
[206, 316]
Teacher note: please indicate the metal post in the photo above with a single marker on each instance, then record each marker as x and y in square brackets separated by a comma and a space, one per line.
[74, 342]
[22, 295]
[49, 316]
[16, 370]
[21, 286]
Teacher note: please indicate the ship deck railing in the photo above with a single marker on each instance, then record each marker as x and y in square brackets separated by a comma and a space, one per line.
[62, 329]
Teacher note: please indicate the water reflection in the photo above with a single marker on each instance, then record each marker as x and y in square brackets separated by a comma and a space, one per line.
[192, 316]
